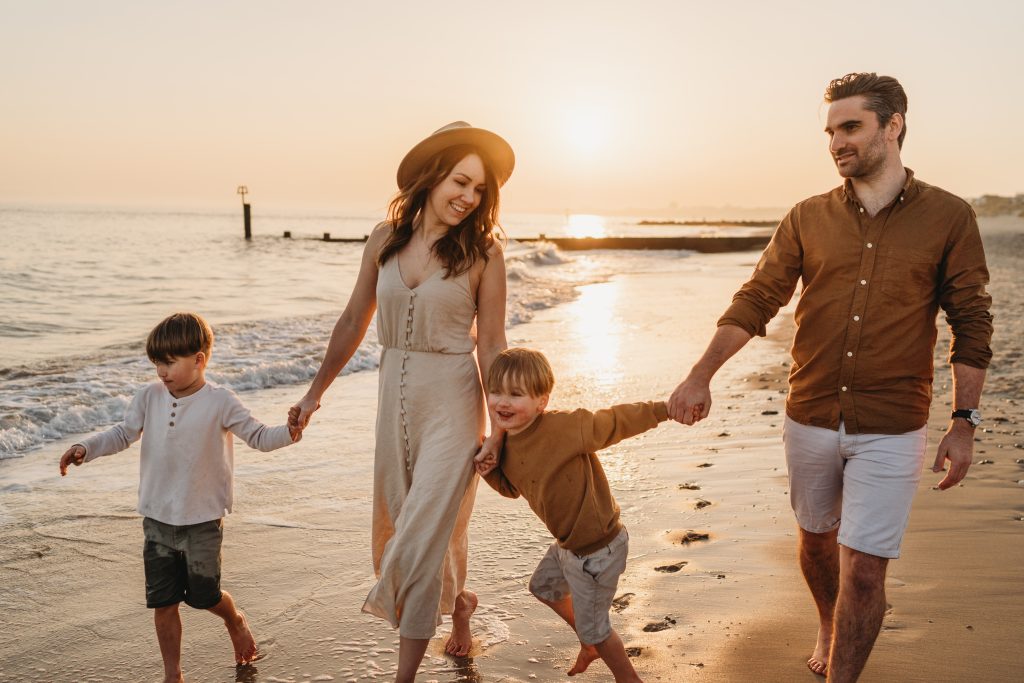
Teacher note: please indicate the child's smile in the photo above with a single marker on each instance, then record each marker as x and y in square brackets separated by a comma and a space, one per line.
[513, 409]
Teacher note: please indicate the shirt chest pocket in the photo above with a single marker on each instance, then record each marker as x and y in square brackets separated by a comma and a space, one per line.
[909, 273]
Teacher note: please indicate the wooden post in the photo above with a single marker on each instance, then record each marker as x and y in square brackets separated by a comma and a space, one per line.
[247, 216]
[327, 237]
[287, 234]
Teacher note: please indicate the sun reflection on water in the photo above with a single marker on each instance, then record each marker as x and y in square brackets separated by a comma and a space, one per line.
[585, 225]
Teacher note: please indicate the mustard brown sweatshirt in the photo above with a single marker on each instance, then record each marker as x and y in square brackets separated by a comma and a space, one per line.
[553, 465]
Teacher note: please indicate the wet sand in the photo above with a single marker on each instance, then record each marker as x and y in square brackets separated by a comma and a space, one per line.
[729, 608]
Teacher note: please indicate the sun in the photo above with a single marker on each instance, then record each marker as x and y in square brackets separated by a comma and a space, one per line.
[587, 130]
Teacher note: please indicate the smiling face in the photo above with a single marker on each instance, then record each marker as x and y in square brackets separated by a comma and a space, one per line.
[461, 191]
[514, 409]
[182, 375]
[860, 146]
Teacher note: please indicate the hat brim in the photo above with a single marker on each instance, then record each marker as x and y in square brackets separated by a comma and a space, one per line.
[499, 155]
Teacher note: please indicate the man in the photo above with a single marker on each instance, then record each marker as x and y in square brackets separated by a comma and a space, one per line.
[877, 257]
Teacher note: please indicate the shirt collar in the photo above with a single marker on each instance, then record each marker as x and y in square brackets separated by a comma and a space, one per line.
[909, 191]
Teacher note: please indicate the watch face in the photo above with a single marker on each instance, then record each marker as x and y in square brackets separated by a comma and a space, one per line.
[971, 415]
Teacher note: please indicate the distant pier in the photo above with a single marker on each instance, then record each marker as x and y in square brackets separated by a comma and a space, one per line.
[713, 244]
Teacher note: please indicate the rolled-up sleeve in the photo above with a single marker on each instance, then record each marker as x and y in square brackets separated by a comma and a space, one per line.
[964, 297]
[772, 284]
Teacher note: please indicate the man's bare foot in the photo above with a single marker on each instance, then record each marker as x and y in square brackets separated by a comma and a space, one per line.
[180, 678]
[818, 663]
[242, 640]
[588, 653]
[461, 639]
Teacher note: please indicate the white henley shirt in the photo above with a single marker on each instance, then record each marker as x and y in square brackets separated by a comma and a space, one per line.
[187, 454]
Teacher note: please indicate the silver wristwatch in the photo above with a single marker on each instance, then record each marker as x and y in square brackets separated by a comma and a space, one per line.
[972, 415]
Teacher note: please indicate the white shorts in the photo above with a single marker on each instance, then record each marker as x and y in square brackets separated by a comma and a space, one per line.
[590, 579]
[861, 483]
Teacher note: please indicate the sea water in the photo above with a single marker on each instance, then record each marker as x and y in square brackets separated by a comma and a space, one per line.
[81, 288]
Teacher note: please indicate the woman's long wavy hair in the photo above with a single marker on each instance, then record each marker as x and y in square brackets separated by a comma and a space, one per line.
[464, 244]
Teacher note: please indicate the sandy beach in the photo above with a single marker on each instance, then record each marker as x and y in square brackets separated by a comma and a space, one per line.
[730, 608]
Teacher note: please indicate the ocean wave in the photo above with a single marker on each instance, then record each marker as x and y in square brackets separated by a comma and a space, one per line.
[52, 399]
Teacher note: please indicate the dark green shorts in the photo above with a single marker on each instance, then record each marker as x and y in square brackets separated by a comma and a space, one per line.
[182, 563]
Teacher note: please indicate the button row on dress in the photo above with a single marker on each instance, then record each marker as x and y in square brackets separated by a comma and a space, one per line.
[401, 383]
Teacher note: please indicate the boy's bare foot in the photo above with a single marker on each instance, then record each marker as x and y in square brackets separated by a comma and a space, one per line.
[818, 663]
[461, 639]
[242, 640]
[588, 653]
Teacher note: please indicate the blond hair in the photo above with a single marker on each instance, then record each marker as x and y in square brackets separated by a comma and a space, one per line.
[179, 335]
[521, 368]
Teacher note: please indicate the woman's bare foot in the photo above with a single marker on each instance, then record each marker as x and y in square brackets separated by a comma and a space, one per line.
[461, 639]
[242, 640]
[588, 653]
[180, 678]
[818, 663]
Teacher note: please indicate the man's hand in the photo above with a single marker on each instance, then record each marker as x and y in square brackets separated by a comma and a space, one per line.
[294, 432]
[74, 455]
[690, 402]
[957, 446]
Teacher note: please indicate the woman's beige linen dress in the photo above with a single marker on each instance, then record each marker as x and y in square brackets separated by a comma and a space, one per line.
[430, 422]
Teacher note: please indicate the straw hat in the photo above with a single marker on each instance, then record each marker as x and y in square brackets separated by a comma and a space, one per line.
[499, 155]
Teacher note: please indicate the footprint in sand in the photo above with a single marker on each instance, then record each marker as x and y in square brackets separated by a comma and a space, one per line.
[622, 602]
[671, 568]
[655, 626]
[691, 536]
[690, 486]
[701, 503]
[634, 651]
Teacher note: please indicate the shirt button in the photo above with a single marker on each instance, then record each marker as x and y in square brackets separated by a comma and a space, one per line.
[849, 353]
[844, 388]
[870, 245]
[863, 282]
[413, 294]
[172, 423]
[172, 414]
[174, 405]
[862, 209]
[856, 318]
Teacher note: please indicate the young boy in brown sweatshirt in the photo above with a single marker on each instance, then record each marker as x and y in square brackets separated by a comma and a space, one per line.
[548, 459]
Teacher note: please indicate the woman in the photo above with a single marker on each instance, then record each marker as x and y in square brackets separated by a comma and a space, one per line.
[431, 270]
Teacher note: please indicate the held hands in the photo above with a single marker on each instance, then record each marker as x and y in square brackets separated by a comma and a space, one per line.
[957, 446]
[74, 455]
[298, 416]
[486, 459]
[690, 402]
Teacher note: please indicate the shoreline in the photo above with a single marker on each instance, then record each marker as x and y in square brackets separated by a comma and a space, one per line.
[297, 548]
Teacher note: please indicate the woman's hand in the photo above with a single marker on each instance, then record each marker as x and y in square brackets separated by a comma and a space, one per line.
[299, 414]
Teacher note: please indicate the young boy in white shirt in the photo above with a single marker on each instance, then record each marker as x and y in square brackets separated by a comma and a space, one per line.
[185, 487]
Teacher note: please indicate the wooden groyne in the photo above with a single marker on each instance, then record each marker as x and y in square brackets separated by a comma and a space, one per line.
[709, 245]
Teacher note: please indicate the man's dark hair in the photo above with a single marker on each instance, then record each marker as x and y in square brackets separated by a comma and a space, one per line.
[883, 95]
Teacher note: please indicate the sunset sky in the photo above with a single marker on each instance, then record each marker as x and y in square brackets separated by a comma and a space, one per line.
[610, 106]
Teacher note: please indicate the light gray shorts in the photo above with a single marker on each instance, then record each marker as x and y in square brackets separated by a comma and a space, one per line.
[861, 483]
[591, 580]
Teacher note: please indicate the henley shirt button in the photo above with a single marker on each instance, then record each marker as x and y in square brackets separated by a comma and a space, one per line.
[413, 295]
[862, 209]
[844, 388]
[172, 414]
[174, 405]
[863, 282]
[172, 423]
[870, 245]
[849, 353]
[856, 318]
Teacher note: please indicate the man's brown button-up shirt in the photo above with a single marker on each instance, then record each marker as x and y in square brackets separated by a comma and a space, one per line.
[872, 287]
